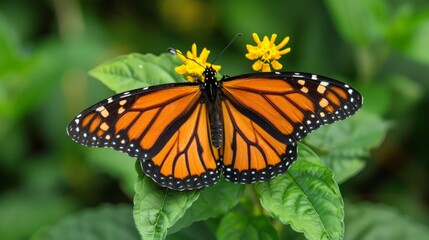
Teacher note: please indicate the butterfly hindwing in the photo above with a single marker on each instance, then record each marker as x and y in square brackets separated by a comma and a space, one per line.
[188, 160]
[250, 154]
[291, 105]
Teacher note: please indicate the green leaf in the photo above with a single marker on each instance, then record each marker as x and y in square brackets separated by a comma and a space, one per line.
[306, 197]
[194, 232]
[344, 145]
[377, 221]
[307, 154]
[361, 23]
[138, 70]
[105, 222]
[238, 226]
[156, 209]
[213, 202]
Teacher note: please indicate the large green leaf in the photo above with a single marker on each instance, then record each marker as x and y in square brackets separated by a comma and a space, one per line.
[238, 226]
[138, 70]
[105, 222]
[344, 145]
[306, 197]
[376, 221]
[307, 154]
[212, 202]
[156, 209]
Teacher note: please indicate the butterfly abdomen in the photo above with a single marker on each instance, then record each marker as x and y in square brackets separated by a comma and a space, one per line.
[215, 119]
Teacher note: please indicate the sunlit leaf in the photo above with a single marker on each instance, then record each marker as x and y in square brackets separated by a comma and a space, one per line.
[137, 70]
[306, 197]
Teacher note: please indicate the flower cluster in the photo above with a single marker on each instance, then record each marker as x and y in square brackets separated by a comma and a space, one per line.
[266, 53]
[193, 65]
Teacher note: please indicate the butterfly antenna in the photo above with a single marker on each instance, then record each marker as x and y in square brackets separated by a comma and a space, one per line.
[227, 46]
[176, 52]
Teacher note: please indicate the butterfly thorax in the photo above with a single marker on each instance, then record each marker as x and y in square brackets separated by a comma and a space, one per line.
[211, 90]
[210, 85]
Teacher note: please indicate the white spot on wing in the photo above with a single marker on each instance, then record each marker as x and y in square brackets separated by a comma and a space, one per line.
[323, 83]
[125, 94]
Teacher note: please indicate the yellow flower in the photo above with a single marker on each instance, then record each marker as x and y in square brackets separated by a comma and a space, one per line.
[193, 65]
[266, 53]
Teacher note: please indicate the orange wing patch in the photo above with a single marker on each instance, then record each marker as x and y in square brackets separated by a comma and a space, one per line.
[188, 160]
[250, 153]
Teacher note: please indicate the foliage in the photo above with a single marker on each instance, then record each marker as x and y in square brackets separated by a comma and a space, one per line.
[53, 189]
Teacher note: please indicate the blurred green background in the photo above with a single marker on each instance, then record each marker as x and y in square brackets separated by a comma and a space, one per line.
[47, 48]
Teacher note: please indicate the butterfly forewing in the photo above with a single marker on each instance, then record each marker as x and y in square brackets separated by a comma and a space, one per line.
[139, 122]
[291, 105]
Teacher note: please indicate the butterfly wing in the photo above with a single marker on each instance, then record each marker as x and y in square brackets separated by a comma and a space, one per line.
[251, 154]
[265, 114]
[290, 105]
[165, 126]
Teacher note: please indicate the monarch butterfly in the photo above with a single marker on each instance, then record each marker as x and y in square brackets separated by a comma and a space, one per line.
[245, 126]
